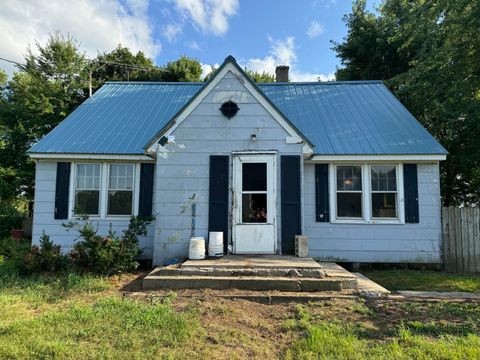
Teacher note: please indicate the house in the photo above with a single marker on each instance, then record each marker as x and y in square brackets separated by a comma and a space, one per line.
[341, 162]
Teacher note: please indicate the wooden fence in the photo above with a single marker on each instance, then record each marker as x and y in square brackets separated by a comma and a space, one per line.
[461, 239]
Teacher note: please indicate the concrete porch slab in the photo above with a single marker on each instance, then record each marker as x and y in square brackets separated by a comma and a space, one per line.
[255, 262]
[257, 272]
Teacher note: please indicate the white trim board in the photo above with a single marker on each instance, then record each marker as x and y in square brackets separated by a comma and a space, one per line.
[401, 158]
[118, 157]
[294, 135]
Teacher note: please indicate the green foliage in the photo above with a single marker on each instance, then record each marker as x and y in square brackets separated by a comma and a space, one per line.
[8, 249]
[424, 280]
[107, 254]
[10, 218]
[106, 67]
[428, 54]
[50, 86]
[47, 257]
[184, 69]
[263, 77]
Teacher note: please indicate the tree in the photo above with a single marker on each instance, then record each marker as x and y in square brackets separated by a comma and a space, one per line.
[122, 65]
[263, 76]
[35, 100]
[184, 69]
[427, 52]
[254, 75]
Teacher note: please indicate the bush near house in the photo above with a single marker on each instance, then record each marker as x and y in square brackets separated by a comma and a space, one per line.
[93, 253]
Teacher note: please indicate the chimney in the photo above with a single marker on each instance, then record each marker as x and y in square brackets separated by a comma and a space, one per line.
[281, 73]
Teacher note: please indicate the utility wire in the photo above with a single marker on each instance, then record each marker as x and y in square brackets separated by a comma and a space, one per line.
[90, 71]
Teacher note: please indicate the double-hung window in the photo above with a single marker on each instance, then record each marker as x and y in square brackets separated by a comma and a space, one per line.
[87, 189]
[105, 189]
[120, 189]
[367, 193]
[349, 192]
[384, 191]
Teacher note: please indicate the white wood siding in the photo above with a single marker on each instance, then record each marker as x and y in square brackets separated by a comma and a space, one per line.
[43, 214]
[415, 243]
[183, 171]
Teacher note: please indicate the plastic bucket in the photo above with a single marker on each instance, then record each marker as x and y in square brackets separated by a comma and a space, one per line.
[197, 248]
[215, 244]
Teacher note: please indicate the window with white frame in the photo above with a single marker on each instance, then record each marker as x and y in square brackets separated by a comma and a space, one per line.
[105, 189]
[384, 191]
[87, 189]
[120, 189]
[349, 192]
[367, 193]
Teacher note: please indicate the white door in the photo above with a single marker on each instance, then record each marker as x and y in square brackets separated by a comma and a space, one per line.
[254, 224]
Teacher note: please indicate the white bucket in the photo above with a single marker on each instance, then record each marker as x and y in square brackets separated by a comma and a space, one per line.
[197, 248]
[215, 244]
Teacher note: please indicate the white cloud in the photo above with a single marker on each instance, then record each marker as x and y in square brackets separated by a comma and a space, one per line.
[210, 16]
[207, 69]
[98, 25]
[172, 30]
[326, 3]
[282, 52]
[194, 45]
[315, 29]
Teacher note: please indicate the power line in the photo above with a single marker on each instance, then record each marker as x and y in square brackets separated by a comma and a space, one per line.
[90, 71]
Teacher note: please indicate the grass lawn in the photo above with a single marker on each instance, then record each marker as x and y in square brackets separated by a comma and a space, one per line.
[84, 317]
[424, 280]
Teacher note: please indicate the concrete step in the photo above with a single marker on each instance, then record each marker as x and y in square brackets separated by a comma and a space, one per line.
[258, 283]
[225, 271]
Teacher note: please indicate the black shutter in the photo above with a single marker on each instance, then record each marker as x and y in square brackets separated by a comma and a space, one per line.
[218, 196]
[146, 189]
[322, 210]
[410, 189]
[62, 187]
[291, 202]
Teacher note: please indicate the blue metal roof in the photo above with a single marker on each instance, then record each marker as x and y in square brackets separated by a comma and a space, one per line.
[339, 118]
[351, 118]
[120, 118]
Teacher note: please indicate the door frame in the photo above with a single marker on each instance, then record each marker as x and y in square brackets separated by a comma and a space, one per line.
[269, 157]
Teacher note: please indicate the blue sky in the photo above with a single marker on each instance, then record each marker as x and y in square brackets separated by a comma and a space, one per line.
[259, 34]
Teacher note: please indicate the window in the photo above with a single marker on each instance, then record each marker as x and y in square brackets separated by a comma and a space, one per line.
[367, 193]
[254, 192]
[349, 192]
[105, 189]
[87, 189]
[120, 189]
[384, 191]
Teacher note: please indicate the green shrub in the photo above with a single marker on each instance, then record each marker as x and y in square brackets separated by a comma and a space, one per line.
[9, 248]
[47, 257]
[10, 218]
[107, 254]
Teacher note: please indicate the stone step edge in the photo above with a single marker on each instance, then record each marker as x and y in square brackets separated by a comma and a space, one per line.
[249, 283]
[240, 272]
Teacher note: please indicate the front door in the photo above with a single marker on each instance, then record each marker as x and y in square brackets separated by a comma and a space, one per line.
[254, 223]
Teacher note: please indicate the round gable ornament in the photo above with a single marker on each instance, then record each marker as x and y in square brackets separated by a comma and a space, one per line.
[229, 109]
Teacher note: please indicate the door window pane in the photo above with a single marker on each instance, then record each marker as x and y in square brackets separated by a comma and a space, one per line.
[254, 208]
[254, 176]
[87, 191]
[120, 189]
[349, 205]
